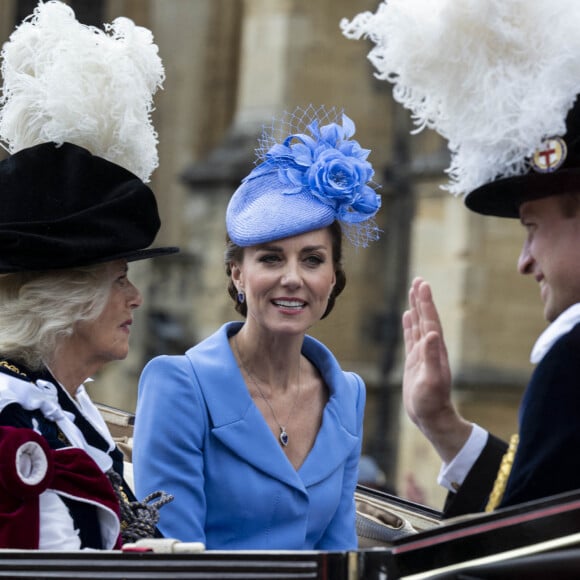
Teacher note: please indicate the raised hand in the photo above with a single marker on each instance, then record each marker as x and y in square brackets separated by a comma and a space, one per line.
[427, 377]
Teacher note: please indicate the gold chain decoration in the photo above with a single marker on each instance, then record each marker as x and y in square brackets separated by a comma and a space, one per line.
[12, 368]
[502, 475]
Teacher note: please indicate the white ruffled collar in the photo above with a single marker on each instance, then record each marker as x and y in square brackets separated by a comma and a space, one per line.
[42, 395]
[562, 325]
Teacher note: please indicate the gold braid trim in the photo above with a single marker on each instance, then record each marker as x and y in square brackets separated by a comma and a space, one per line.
[502, 475]
[5, 364]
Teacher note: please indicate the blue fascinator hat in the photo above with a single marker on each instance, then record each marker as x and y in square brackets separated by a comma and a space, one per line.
[309, 173]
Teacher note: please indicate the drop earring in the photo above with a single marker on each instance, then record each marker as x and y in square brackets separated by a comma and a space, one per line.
[241, 297]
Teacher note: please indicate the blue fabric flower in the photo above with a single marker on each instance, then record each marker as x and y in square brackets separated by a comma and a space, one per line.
[327, 164]
[309, 173]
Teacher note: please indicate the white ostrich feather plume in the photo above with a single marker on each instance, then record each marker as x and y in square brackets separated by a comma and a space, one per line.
[493, 77]
[67, 82]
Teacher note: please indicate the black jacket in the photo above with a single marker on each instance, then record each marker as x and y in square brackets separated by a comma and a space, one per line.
[547, 461]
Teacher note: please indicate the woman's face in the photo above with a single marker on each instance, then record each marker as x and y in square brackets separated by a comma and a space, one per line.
[287, 282]
[106, 338]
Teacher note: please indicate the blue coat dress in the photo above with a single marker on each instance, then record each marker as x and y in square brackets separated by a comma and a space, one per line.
[200, 437]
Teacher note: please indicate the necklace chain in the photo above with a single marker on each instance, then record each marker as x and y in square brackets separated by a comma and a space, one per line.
[283, 437]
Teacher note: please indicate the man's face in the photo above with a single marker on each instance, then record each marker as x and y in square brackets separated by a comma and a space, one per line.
[551, 253]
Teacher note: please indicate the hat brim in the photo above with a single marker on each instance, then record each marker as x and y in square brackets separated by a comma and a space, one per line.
[261, 210]
[503, 197]
[133, 256]
[144, 254]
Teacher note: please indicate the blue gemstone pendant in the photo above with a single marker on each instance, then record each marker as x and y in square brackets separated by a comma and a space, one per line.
[283, 437]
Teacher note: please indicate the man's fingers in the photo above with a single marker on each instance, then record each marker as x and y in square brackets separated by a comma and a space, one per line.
[407, 331]
[432, 351]
[427, 311]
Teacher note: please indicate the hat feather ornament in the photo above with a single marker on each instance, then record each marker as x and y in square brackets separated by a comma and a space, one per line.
[492, 77]
[75, 116]
[309, 173]
[68, 82]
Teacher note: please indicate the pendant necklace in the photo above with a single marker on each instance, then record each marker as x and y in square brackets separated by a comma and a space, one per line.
[283, 437]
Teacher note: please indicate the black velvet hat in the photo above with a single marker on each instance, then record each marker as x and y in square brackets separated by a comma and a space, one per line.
[75, 116]
[61, 207]
[553, 169]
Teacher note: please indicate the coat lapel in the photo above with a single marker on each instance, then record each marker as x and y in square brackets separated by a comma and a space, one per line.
[235, 420]
[339, 432]
[238, 424]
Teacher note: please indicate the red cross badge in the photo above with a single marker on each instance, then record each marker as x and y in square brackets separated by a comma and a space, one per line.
[550, 155]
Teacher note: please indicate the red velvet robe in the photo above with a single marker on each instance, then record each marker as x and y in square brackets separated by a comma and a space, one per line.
[29, 467]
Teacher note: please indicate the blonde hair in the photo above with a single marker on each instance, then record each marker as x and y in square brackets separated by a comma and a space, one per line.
[39, 309]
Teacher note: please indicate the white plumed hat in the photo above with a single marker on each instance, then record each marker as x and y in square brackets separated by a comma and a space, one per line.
[75, 115]
[496, 79]
[64, 81]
